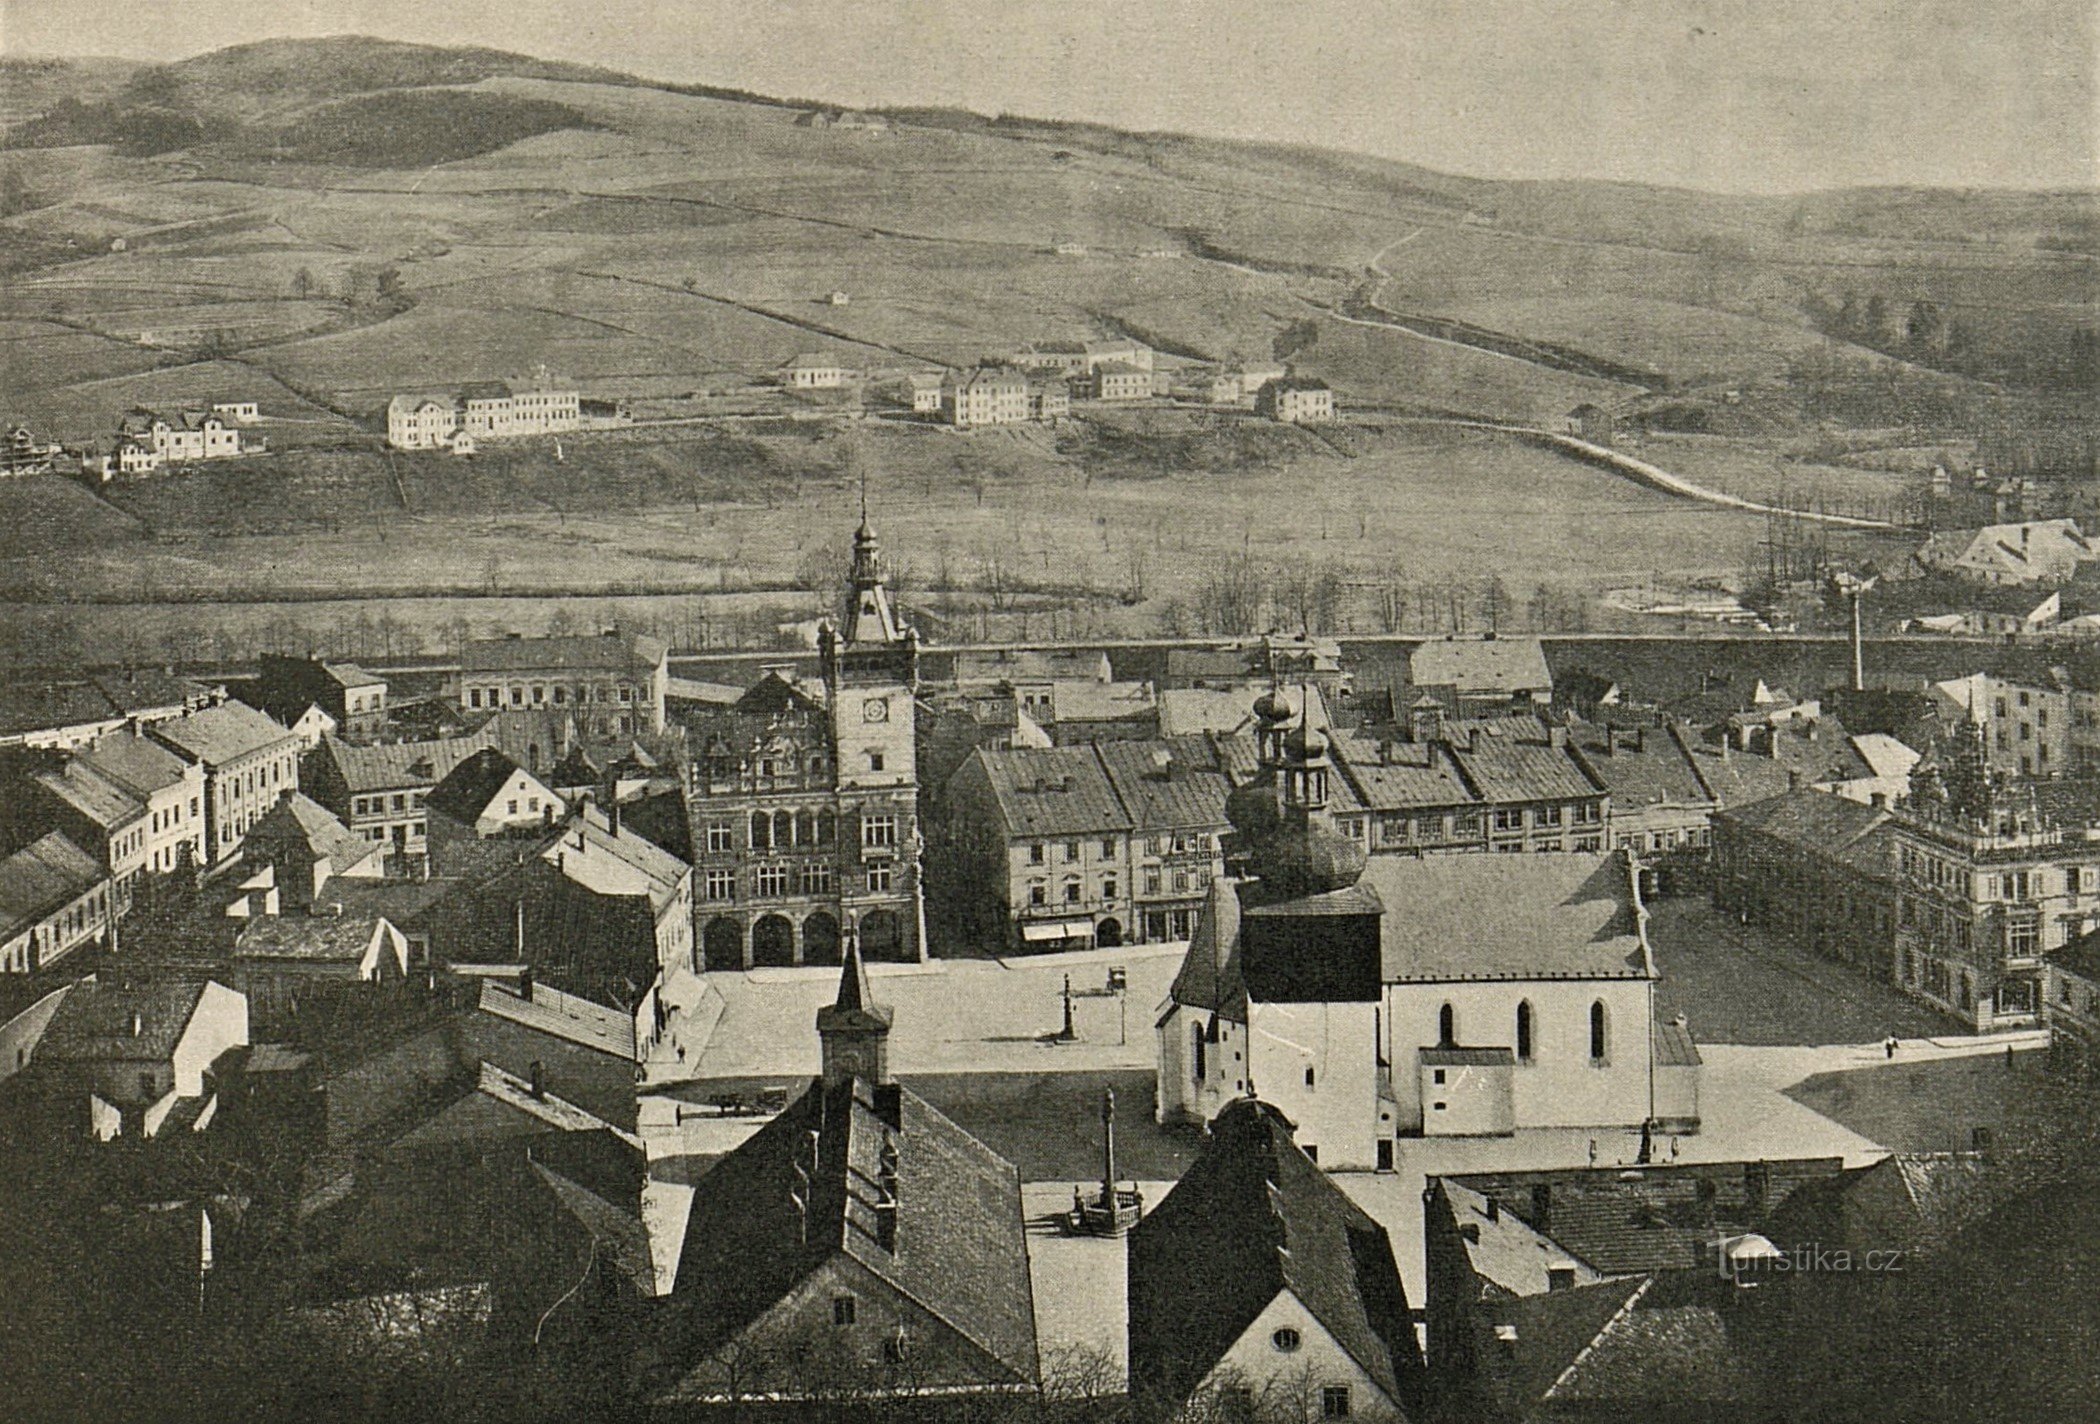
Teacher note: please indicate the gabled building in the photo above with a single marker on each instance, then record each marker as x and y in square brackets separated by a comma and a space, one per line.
[1482, 677]
[486, 795]
[54, 898]
[988, 395]
[810, 372]
[421, 422]
[170, 788]
[294, 966]
[2040, 551]
[352, 699]
[614, 686]
[183, 435]
[134, 1058]
[858, 1242]
[1257, 1289]
[379, 791]
[1297, 400]
[310, 848]
[1120, 381]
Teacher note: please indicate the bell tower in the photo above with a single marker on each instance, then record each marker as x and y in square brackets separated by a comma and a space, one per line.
[853, 1029]
[870, 666]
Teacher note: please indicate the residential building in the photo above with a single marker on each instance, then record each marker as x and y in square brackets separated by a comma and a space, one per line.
[599, 851]
[119, 455]
[2039, 551]
[988, 395]
[353, 699]
[1065, 357]
[379, 791]
[134, 1058]
[1256, 665]
[808, 372]
[1661, 806]
[485, 795]
[858, 1240]
[1048, 398]
[538, 404]
[1820, 869]
[922, 391]
[1104, 844]
[97, 815]
[1256, 1281]
[54, 898]
[2071, 1006]
[421, 422]
[1993, 876]
[1502, 993]
[1299, 400]
[586, 1051]
[1996, 611]
[294, 967]
[805, 804]
[1484, 676]
[248, 758]
[170, 789]
[69, 715]
[1120, 381]
[972, 667]
[613, 685]
[238, 410]
[1123, 350]
[310, 848]
[179, 436]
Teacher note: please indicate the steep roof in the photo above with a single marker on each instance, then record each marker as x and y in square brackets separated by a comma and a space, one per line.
[36, 707]
[564, 1016]
[1209, 977]
[466, 791]
[1251, 1219]
[221, 734]
[101, 801]
[1052, 791]
[1520, 764]
[42, 877]
[1170, 784]
[397, 766]
[960, 1245]
[138, 763]
[1508, 1253]
[1552, 915]
[1401, 776]
[1819, 822]
[319, 939]
[94, 1022]
[1645, 766]
[1487, 664]
[298, 819]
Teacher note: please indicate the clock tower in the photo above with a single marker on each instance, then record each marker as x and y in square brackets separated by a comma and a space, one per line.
[871, 676]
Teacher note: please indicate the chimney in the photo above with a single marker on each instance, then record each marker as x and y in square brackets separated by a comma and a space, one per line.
[1494, 1209]
[525, 984]
[1542, 1208]
[1793, 779]
[1470, 1233]
[1879, 800]
[612, 819]
[1757, 1181]
[1640, 739]
[536, 1078]
[1557, 736]
[1560, 1278]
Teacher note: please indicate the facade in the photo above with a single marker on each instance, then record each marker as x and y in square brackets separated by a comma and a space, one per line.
[1256, 1282]
[488, 794]
[309, 848]
[923, 391]
[857, 1241]
[248, 760]
[292, 966]
[989, 395]
[379, 791]
[1298, 400]
[599, 852]
[1819, 868]
[614, 686]
[66, 716]
[421, 422]
[352, 698]
[168, 787]
[1102, 844]
[805, 805]
[1993, 877]
[130, 1059]
[54, 898]
[184, 435]
[813, 373]
[1501, 993]
[1662, 805]
[1121, 381]
[2040, 551]
[1048, 398]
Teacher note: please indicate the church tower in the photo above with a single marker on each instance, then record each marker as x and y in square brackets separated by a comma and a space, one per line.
[871, 676]
[854, 1030]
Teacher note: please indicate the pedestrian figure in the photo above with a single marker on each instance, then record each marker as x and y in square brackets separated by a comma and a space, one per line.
[1890, 1046]
[2008, 1055]
[1593, 1151]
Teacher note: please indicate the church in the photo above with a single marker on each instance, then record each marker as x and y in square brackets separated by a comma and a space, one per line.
[1375, 1000]
[804, 802]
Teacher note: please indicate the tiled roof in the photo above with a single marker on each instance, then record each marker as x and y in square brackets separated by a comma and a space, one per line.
[960, 1252]
[1670, 1344]
[333, 939]
[1207, 979]
[1521, 765]
[102, 802]
[1553, 1328]
[1085, 700]
[564, 1016]
[1623, 1221]
[94, 1021]
[351, 675]
[583, 653]
[1173, 784]
[465, 792]
[395, 766]
[221, 734]
[148, 689]
[298, 819]
[1509, 1255]
[1820, 822]
[575, 938]
[36, 707]
[1643, 766]
[1204, 709]
[1912, 1201]
[1401, 776]
[590, 835]
[1558, 914]
[138, 763]
[410, 404]
[44, 876]
[1489, 664]
[1052, 791]
[1253, 1218]
[1674, 1047]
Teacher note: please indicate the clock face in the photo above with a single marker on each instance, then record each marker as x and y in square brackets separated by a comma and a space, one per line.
[875, 709]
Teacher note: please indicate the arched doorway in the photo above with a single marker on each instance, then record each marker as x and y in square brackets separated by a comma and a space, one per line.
[881, 935]
[1109, 934]
[722, 943]
[820, 939]
[773, 941]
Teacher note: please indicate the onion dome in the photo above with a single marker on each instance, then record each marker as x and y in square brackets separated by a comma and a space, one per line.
[1304, 744]
[1312, 859]
[1275, 705]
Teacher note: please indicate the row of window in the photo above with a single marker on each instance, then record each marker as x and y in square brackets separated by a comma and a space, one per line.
[397, 802]
[1527, 1033]
[539, 694]
[772, 882]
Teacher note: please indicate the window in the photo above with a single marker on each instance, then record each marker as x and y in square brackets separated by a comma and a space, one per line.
[842, 1309]
[512, 805]
[1524, 1031]
[1549, 816]
[1072, 892]
[771, 880]
[1509, 818]
[1334, 1402]
[1038, 893]
[2023, 938]
[474, 697]
[1447, 1025]
[874, 761]
[1151, 880]
[1308, 1077]
[1600, 1032]
[1108, 848]
[879, 878]
[1035, 854]
[816, 879]
[1286, 1340]
[1071, 852]
[721, 836]
[880, 831]
[1108, 888]
[761, 831]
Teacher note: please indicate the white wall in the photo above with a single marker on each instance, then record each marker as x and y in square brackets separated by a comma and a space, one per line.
[220, 1023]
[1337, 1116]
[19, 1035]
[1254, 1362]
